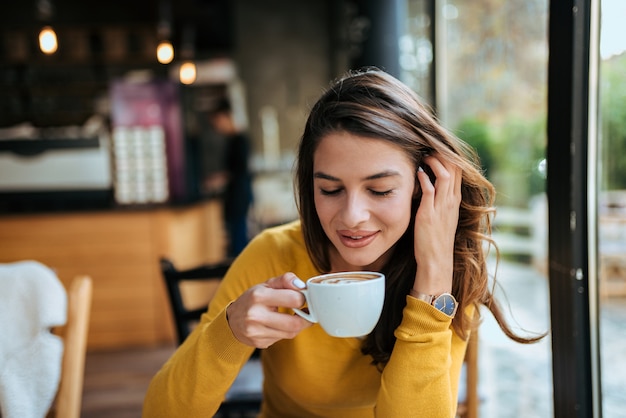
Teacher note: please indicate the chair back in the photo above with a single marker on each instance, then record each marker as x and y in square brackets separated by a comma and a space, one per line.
[186, 317]
[468, 407]
[246, 393]
[74, 334]
[43, 374]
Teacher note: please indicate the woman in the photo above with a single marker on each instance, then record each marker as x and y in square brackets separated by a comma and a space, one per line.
[381, 186]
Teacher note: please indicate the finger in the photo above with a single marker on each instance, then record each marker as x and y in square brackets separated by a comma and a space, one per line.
[426, 185]
[448, 177]
[286, 281]
[441, 170]
[284, 325]
[277, 296]
[454, 180]
[271, 326]
[458, 180]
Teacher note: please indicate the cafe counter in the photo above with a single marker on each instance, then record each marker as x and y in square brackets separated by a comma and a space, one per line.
[120, 250]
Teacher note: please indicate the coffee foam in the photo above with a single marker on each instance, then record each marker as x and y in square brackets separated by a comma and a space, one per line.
[347, 279]
[339, 280]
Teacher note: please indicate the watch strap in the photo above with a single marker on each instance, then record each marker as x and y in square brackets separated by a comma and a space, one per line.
[422, 296]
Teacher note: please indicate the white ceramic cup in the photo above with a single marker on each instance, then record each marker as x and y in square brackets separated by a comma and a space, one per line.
[346, 304]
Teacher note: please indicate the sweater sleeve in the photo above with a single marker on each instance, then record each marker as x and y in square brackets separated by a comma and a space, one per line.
[422, 375]
[194, 381]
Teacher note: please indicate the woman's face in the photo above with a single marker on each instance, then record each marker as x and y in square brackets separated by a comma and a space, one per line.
[363, 190]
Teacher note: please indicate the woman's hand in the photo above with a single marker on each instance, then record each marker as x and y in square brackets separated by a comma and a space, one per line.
[436, 222]
[254, 318]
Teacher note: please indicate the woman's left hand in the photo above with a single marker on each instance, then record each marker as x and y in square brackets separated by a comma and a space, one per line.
[436, 222]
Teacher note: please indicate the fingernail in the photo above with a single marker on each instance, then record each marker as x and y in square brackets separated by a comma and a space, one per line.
[298, 283]
[420, 168]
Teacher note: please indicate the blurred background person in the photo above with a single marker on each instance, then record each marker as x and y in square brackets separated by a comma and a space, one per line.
[236, 179]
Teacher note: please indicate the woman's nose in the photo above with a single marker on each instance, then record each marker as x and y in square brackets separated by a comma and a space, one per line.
[355, 211]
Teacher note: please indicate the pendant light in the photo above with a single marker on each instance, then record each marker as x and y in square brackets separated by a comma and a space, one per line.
[188, 72]
[165, 49]
[48, 42]
[165, 52]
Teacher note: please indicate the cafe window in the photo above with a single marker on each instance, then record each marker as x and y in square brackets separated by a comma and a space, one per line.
[611, 210]
[484, 66]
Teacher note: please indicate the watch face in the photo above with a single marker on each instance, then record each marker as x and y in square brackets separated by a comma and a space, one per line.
[446, 304]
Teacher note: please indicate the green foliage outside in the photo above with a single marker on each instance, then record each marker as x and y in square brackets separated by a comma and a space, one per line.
[496, 85]
[511, 155]
[496, 97]
[613, 123]
[512, 151]
[476, 133]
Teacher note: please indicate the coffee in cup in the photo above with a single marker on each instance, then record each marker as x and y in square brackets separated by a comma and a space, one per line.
[345, 304]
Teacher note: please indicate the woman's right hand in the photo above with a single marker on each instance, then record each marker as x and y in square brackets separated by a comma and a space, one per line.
[254, 318]
[436, 222]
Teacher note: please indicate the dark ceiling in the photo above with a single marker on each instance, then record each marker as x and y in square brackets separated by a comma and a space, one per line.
[74, 12]
[98, 42]
[208, 22]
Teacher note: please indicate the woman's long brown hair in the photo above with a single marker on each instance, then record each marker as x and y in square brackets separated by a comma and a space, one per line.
[372, 103]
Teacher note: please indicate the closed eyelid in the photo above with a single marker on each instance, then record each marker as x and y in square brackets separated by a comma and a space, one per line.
[383, 193]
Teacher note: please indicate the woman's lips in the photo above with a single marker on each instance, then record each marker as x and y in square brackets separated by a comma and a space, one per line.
[356, 239]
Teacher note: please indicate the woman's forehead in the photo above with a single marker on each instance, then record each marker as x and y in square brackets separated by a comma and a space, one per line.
[342, 150]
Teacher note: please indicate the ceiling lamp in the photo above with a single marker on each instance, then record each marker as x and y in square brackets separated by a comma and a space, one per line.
[165, 52]
[48, 41]
[187, 73]
[47, 36]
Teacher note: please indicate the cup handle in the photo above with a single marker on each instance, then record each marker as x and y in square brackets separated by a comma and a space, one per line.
[308, 316]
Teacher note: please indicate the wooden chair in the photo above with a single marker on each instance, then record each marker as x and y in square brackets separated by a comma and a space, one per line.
[468, 407]
[185, 317]
[68, 399]
[26, 283]
[245, 395]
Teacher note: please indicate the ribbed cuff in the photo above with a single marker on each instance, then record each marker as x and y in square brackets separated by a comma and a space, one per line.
[224, 343]
[420, 318]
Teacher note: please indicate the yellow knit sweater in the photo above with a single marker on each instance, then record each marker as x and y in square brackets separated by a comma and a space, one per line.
[312, 375]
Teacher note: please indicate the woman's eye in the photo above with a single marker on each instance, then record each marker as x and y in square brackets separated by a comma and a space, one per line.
[330, 192]
[383, 193]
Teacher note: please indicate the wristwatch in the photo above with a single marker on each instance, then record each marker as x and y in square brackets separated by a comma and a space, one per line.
[445, 302]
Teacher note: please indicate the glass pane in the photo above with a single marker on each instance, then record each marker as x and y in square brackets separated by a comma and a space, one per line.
[612, 210]
[491, 70]
[416, 49]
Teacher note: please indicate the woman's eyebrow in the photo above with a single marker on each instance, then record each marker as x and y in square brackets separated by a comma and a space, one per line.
[324, 176]
[382, 174]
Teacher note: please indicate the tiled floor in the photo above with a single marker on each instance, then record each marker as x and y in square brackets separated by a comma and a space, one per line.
[613, 357]
[516, 379]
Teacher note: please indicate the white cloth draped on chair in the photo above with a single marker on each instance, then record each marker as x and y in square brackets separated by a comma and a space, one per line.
[32, 301]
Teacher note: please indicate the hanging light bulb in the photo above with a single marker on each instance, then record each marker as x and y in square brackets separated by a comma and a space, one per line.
[48, 40]
[187, 73]
[165, 52]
